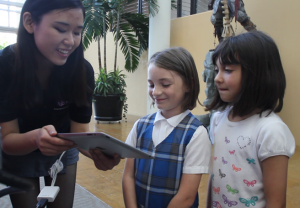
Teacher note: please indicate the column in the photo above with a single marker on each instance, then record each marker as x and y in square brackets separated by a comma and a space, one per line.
[159, 35]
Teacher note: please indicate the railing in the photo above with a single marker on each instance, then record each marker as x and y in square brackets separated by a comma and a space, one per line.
[189, 7]
[184, 7]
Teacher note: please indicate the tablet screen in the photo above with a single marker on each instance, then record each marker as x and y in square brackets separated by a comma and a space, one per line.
[105, 143]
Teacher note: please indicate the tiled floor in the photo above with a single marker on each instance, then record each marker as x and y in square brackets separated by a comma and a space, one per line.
[106, 185]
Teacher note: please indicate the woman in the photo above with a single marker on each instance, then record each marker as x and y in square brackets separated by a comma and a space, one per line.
[46, 87]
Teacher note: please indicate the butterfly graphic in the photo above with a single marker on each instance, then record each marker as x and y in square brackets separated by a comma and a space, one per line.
[215, 158]
[251, 201]
[216, 190]
[213, 176]
[232, 152]
[231, 190]
[236, 169]
[250, 183]
[224, 161]
[227, 140]
[222, 174]
[216, 204]
[251, 160]
[227, 201]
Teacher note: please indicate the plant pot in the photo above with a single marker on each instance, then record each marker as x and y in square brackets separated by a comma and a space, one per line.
[108, 108]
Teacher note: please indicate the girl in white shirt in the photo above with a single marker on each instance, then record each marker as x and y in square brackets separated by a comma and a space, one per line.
[177, 140]
[252, 145]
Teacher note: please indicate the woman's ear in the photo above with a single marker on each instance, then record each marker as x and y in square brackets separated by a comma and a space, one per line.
[28, 23]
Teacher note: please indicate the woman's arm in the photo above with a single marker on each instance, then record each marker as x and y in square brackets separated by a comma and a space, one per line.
[275, 180]
[14, 143]
[101, 161]
[187, 192]
[128, 184]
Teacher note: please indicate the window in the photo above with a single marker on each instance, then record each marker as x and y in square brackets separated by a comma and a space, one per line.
[9, 21]
[202, 6]
[189, 7]
[137, 6]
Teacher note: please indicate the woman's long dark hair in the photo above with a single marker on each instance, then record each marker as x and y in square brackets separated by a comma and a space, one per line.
[71, 76]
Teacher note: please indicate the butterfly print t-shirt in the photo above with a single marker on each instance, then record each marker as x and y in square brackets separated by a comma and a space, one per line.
[239, 149]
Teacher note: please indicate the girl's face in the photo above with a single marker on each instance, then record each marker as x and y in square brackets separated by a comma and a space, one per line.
[228, 80]
[58, 34]
[167, 90]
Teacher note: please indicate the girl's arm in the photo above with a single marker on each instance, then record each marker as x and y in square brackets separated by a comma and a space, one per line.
[208, 197]
[275, 180]
[15, 143]
[101, 161]
[187, 192]
[128, 184]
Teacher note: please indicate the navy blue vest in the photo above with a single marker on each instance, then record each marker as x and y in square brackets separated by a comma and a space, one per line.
[158, 180]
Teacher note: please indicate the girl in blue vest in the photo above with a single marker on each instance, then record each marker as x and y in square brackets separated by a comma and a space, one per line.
[177, 140]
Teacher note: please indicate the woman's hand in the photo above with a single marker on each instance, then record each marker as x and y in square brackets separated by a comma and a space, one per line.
[16, 143]
[49, 144]
[103, 162]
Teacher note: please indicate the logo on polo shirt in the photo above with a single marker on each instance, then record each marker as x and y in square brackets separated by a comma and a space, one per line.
[60, 105]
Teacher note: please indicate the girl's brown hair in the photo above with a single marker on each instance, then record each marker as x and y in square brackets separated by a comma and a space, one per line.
[181, 61]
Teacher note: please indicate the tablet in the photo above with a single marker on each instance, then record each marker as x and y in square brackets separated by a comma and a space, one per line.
[105, 143]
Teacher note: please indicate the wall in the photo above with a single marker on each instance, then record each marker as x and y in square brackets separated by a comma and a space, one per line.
[195, 33]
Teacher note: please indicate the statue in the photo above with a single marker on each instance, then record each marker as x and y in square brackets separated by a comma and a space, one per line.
[235, 9]
[208, 76]
[223, 13]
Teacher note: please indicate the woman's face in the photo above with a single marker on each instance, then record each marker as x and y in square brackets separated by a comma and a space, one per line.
[58, 34]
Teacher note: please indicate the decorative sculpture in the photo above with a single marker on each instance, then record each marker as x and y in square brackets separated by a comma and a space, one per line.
[208, 76]
[227, 27]
[223, 13]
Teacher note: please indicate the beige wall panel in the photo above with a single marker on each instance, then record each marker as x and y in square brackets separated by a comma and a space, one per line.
[137, 88]
[280, 20]
[194, 33]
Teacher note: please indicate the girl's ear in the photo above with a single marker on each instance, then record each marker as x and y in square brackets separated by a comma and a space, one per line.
[28, 23]
[187, 89]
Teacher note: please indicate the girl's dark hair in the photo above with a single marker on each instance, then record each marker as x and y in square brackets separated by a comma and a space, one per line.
[181, 61]
[263, 79]
[71, 76]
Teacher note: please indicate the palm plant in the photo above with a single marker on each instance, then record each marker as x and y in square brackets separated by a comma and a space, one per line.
[130, 30]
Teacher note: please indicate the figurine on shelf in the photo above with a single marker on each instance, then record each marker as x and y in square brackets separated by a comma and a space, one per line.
[235, 9]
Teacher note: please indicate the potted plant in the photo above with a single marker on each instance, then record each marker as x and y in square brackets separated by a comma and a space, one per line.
[110, 96]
